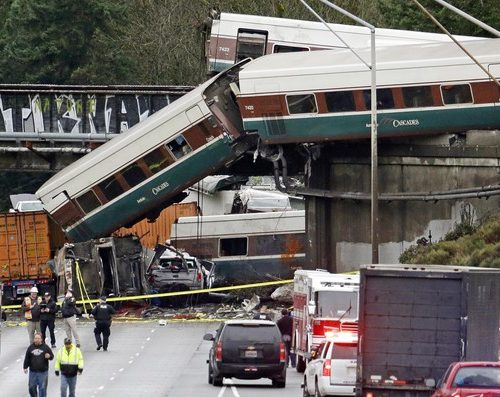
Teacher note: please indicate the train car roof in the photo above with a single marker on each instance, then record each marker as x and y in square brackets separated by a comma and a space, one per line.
[289, 71]
[124, 140]
[231, 225]
[351, 33]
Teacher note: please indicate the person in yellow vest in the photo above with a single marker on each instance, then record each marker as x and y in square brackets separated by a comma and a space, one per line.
[31, 308]
[69, 364]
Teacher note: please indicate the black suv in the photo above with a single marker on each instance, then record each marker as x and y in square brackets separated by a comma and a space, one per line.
[247, 349]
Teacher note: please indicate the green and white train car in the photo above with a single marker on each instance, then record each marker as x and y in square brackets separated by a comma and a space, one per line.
[145, 169]
[325, 95]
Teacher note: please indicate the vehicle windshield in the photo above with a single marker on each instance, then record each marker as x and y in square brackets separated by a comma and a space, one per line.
[344, 351]
[170, 263]
[338, 303]
[487, 377]
[251, 333]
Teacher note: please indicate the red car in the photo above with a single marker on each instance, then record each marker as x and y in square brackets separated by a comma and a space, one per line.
[470, 379]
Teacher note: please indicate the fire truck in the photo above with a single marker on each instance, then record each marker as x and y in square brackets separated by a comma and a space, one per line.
[323, 303]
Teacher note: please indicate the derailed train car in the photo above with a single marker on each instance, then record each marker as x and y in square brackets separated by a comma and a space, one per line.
[112, 266]
[144, 170]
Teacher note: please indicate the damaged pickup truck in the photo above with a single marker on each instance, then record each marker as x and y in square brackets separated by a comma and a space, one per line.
[111, 266]
[173, 267]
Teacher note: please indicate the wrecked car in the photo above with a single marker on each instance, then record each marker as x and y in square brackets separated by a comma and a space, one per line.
[175, 267]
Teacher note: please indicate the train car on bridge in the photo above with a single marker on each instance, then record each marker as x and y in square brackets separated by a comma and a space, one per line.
[145, 169]
[325, 95]
[234, 37]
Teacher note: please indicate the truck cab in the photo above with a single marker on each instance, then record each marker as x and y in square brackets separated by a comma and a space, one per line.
[323, 303]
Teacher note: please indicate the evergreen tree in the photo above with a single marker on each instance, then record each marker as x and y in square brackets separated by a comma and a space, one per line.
[47, 41]
[406, 15]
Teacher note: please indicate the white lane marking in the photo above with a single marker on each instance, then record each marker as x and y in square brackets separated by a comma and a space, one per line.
[153, 330]
[148, 338]
[137, 354]
[5, 368]
[142, 347]
[112, 378]
[222, 391]
[121, 369]
[18, 360]
[100, 387]
[233, 388]
[131, 361]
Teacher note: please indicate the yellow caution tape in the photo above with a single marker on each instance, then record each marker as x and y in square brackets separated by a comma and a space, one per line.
[177, 293]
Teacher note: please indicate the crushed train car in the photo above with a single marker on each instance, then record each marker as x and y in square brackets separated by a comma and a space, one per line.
[111, 266]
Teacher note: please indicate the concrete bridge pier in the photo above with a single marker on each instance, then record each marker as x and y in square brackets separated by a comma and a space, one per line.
[339, 229]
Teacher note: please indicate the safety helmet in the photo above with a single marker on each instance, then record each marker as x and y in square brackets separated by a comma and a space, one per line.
[34, 290]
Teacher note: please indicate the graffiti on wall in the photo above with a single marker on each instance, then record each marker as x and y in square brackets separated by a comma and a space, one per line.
[86, 113]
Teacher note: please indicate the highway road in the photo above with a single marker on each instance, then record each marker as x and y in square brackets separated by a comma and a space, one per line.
[144, 359]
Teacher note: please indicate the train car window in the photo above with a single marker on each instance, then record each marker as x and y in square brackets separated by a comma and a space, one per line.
[250, 44]
[301, 104]
[340, 101]
[88, 201]
[111, 188]
[133, 174]
[287, 48]
[384, 98]
[456, 94]
[417, 96]
[157, 160]
[233, 246]
[179, 147]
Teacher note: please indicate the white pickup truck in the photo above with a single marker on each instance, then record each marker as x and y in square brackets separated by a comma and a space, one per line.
[175, 268]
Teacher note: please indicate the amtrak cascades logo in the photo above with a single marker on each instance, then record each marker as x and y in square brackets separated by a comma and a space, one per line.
[397, 123]
[159, 188]
[404, 123]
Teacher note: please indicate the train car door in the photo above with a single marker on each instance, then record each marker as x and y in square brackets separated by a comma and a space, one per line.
[250, 44]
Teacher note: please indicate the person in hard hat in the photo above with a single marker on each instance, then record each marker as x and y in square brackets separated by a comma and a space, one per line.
[69, 364]
[31, 309]
[37, 359]
[48, 317]
[69, 312]
[103, 314]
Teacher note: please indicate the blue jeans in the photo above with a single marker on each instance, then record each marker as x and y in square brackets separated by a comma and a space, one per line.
[66, 382]
[38, 380]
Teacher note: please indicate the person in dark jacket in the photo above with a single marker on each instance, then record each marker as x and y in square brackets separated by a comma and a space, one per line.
[48, 317]
[69, 312]
[103, 314]
[31, 309]
[285, 325]
[37, 359]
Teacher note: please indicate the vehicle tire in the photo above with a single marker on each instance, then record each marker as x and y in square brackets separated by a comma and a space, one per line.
[210, 374]
[301, 364]
[305, 392]
[217, 380]
[279, 382]
[316, 389]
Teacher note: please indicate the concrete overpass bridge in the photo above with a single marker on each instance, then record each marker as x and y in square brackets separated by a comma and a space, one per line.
[47, 127]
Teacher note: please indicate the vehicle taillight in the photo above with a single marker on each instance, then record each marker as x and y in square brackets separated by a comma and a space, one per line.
[199, 276]
[218, 351]
[327, 367]
[369, 394]
[282, 352]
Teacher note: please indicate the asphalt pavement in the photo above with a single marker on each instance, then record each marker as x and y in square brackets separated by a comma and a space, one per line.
[143, 359]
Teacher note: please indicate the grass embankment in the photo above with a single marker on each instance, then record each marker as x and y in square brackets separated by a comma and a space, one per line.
[466, 245]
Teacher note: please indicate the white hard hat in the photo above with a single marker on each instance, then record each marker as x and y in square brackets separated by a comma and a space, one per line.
[34, 289]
